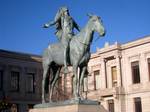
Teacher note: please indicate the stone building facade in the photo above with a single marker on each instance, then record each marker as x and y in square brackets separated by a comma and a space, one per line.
[119, 77]
[20, 80]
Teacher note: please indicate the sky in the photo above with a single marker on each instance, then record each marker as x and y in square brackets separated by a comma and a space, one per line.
[21, 22]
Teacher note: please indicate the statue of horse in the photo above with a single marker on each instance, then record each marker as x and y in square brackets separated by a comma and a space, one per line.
[79, 55]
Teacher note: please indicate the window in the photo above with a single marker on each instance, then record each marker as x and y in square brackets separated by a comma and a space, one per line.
[96, 80]
[1, 79]
[30, 83]
[135, 72]
[85, 84]
[149, 68]
[114, 76]
[14, 81]
[137, 104]
[111, 106]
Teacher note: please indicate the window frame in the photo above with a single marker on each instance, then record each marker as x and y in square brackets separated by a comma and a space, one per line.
[1, 79]
[29, 86]
[148, 64]
[135, 71]
[85, 84]
[111, 103]
[16, 80]
[95, 82]
[114, 82]
[137, 104]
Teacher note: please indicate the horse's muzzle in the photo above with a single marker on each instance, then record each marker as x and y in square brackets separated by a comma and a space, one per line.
[102, 34]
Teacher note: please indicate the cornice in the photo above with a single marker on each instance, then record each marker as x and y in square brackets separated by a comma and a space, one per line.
[20, 56]
[136, 43]
[125, 46]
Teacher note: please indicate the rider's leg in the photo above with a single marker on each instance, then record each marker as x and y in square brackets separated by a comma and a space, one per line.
[65, 59]
[66, 52]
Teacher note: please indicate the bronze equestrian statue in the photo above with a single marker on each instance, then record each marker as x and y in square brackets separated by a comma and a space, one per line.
[79, 56]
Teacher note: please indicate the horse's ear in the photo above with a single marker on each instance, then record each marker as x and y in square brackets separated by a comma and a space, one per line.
[89, 15]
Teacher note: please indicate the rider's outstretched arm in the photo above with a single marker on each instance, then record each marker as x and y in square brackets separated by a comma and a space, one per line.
[47, 25]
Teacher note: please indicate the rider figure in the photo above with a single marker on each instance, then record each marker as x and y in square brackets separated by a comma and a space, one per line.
[64, 25]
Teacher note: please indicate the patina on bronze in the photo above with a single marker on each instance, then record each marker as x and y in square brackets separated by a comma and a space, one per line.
[78, 56]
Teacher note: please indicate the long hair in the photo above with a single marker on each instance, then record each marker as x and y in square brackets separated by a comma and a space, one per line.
[59, 14]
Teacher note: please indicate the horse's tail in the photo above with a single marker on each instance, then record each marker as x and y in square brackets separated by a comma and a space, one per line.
[47, 58]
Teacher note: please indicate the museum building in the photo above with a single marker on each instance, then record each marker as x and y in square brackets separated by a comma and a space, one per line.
[119, 78]
[20, 81]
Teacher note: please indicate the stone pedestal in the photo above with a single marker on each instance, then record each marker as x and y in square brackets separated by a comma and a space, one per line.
[68, 107]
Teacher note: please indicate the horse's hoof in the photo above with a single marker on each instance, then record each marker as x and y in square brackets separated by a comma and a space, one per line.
[77, 98]
[43, 102]
[50, 101]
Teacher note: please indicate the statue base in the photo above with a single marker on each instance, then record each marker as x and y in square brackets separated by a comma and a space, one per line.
[69, 106]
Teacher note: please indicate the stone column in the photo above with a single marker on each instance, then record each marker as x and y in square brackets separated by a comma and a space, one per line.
[119, 72]
[144, 73]
[104, 73]
[120, 98]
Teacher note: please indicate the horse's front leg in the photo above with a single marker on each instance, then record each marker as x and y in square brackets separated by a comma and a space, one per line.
[44, 86]
[81, 79]
[75, 82]
[53, 83]
[43, 90]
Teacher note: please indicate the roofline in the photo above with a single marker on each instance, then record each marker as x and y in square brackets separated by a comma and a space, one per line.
[131, 44]
[139, 41]
[20, 55]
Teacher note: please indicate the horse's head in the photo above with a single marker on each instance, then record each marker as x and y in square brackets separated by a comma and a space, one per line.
[96, 24]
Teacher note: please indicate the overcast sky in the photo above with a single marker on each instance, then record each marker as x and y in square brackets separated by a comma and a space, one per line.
[21, 21]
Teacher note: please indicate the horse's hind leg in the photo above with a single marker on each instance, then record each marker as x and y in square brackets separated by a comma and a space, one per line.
[56, 76]
[81, 79]
[75, 82]
[45, 75]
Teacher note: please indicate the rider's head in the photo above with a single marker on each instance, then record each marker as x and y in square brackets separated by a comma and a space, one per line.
[65, 10]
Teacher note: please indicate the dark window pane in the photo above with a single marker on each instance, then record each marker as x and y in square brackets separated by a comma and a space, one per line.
[30, 82]
[111, 106]
[1, 79]
[137, 103]
[96, 79]
[114, 76]
[14, 81]
[135, 72]
[149, 67]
